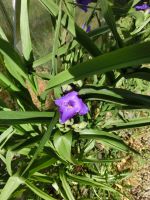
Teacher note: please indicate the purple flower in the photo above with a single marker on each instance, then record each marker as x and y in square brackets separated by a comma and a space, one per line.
[84, 4]
[69, 105]
[87, 28]
[142, 7]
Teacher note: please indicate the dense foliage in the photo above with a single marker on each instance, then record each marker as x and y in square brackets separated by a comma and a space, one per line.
[98, 51]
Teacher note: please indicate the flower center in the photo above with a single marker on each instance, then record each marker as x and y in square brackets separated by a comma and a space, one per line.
[70, 104]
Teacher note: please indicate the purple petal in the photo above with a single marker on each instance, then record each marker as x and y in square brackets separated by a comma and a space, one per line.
[58, 102]
[142, 7]
[61, 101]
[84, 109]
[67, 114]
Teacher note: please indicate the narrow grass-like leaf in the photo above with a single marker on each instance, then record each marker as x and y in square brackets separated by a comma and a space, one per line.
[121, 58]
[11, 185]
[81, 36]
[6, 82]
[3, 158]
[43, 141]
[25, 31]
[41, 164]
[89, 181]
[13, 62]
[141, 27]
[38, 192]
[56, 40]
[41, 178]
[143, 73]
[99, 31]
[132, 123]
[62, 50]
[6, 133]
[6, 16]
[16, 117]
[109, 17]
[117, 95]
[108, 138]
[93, 160]
[9, 157]
[16, 21]
[66, 185]
[50, 6]
[69, 9]
[2, 34]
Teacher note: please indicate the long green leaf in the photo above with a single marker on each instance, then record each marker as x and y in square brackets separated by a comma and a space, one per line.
[38, 192]
[66, 185]
[89, 181]
[13, 62]
[121, 58]
[6, 82]
[137, 122]
[25, 31]
[2, 34]
[16, 117]
[117, 95]
[107, 138]
[41, 164]
[9, 157]
[62, 50]
[11, 185]
[143, 73]
[109, 17]
[56, 40]
[6, 133]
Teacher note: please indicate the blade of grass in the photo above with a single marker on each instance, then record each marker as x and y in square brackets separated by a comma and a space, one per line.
[132, 123]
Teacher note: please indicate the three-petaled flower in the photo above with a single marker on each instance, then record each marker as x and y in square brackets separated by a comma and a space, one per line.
[70, 105]
[83, 4]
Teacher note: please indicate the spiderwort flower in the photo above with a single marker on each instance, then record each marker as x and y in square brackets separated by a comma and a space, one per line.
[142, 7]
[70, 105]
[84, 4]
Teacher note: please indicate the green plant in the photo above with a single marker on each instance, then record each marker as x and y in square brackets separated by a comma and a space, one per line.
[41, 158]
